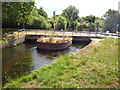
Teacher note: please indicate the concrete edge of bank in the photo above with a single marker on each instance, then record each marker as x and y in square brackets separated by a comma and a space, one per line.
[13, 42]
[88, 48]
[29, 38]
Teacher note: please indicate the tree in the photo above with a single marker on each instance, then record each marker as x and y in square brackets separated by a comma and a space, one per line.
[42, 12]
[50, 20]
[109, 13]
[16, 13]
[38, 21]
[71, 14]
[79, 19]
[61, 22]
[90, 18]
[100, 21]
[119, 22]
[111, 20]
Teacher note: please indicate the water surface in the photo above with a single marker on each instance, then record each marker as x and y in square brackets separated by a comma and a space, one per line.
[25, 58]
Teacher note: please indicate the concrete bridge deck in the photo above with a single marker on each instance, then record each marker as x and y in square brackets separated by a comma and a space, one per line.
[34, 34]
[24, 35]
[61, 33]
[68, 33]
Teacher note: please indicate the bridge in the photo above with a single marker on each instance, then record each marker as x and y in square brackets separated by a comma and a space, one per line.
[59, 32]
[33, 34]
[77, 35]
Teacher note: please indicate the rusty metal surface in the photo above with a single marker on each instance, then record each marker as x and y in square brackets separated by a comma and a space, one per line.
[54, 46]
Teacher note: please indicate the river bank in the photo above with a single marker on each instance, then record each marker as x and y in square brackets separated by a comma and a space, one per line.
[96, 69]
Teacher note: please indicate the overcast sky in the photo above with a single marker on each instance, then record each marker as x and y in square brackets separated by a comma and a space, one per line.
[86, 7]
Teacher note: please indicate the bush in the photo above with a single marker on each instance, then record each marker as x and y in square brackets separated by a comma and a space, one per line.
[93, 27]
[61, 22]
[38, 21]
[85, 25]
[78, 26]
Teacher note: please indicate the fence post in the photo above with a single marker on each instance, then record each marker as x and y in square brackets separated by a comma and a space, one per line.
[22, 32]
[96, 33]
[35, 31]
[72, 33]
[5, 36]
[12, 35]
[26, 31]
[45, 32]
[18, 33]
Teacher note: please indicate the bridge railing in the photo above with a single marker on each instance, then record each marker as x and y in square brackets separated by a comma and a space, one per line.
[71, 33]
[14, 34]
[67, 32]
[21, 32]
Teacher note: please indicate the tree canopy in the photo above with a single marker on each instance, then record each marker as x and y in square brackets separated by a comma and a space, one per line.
[109, 13]
[20, 14]
[61, 22]
[90, 18]
[42, 12]
[16, 13]
[71, 13]
[38, 21]
[111, 20]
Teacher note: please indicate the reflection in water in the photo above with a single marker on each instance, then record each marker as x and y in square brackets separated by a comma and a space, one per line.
[25, 57]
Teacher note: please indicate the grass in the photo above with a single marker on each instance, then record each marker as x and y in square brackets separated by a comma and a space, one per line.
[28, 57]
[1, 41]
[97, 69]
[25, 63]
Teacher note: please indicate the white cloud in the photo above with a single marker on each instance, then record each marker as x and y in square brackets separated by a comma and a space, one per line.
[86, 7]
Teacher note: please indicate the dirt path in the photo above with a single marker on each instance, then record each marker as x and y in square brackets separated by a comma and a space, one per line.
[88, 48]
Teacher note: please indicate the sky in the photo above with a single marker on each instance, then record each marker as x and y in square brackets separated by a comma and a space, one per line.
[86, 7]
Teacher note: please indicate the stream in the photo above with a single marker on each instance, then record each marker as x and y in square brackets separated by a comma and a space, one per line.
[25, 58]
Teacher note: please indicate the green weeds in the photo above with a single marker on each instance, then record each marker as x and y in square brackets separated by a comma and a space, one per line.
[28, 57]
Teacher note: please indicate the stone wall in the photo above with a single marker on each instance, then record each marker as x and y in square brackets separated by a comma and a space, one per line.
[13, 42]
[81, 39]
[30, 38]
